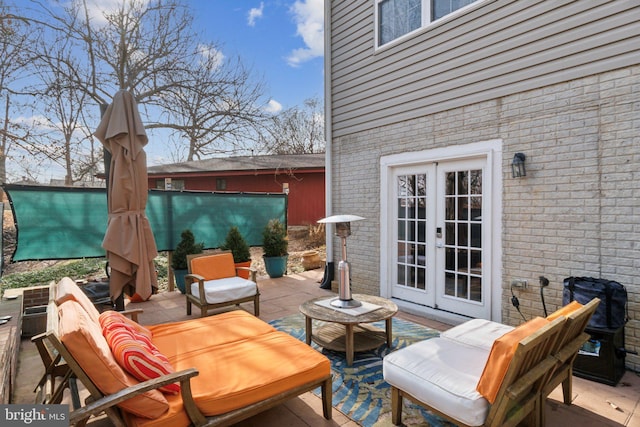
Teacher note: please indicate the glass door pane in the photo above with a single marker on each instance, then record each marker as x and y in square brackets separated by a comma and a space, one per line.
[463, 234]
[411, 202]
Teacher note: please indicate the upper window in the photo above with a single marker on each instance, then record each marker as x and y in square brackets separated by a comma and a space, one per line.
[399, 17]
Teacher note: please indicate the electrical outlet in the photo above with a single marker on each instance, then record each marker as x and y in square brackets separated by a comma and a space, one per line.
[519, 283]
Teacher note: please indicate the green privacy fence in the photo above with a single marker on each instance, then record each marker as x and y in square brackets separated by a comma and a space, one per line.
[67, 223]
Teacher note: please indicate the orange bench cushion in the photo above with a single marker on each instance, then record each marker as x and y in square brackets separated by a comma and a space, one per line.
[176, 416]
[565, 311]
[206, 332]
[250, 362]
[66, 289]
[500, 357]
[83, 338]
[237, 374]
[212, 267]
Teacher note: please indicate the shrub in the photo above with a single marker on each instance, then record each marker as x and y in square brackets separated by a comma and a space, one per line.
[187, 246]
[237, 245]
[274, 239]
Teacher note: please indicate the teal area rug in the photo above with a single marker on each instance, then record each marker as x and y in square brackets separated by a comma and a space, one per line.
[359, 391]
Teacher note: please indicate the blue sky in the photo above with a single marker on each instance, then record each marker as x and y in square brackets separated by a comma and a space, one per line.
[281, 40]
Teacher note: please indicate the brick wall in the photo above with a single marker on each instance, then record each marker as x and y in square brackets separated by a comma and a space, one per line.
[576, 213]
[35, 296]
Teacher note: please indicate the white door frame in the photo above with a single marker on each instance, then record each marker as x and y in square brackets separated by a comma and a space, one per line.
[492, 151]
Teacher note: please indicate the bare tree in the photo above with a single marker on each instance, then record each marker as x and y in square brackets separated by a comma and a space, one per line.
[218, 109]
[296, 130]
[14, 37]
[149, 48]
[68, 141]
[139, 46]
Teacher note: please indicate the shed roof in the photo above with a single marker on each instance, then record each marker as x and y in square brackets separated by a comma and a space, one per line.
[240, 163]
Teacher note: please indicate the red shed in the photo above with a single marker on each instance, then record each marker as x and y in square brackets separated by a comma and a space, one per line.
[301, 175]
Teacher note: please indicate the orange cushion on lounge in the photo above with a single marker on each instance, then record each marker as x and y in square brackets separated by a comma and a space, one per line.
[66, 289]
[564, 311]
[207, 332]
[176, 416]
[83, 338]
[111, 317]
[500, 357]
[216, 266]
[138, 356]
[240, 373]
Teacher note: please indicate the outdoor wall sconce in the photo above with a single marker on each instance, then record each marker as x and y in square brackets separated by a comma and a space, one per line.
[517, 166]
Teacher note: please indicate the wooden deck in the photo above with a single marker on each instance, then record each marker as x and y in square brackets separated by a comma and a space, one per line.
[594, 404]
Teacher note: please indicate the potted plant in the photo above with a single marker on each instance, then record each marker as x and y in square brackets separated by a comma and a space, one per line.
[186, 246]
[235, 243]
[275, 246]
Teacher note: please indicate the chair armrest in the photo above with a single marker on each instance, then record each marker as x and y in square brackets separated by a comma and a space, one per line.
[252, 272]
[189, 279]
[98, 406]
[523, 384]
[192, 277]
[571, 349]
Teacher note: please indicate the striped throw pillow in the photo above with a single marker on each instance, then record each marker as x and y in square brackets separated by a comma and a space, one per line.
[114, 317]
[138, 355]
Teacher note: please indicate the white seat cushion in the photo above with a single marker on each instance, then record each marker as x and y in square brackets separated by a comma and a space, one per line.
[443, 374]
[479, 333]
[227, 289]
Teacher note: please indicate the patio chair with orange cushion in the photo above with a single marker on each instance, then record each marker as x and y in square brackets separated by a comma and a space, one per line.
[213, 282]
[486, 373]
[572, 339]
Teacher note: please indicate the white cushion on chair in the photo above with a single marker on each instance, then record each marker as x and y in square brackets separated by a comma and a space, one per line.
[227, 289]
[443, 374]
[479, 333]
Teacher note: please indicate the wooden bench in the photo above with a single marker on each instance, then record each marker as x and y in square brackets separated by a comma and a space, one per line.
[217, 362]
[444, 374]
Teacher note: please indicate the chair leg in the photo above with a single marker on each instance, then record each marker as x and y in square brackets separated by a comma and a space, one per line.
[396, 406]
[188, 308]
[567, 387]
[327, 399]
[256, 305]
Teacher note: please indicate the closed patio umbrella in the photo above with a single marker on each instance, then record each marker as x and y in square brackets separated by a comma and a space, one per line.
[129, 242]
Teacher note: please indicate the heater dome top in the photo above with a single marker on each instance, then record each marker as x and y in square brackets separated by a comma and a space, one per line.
[340, 218]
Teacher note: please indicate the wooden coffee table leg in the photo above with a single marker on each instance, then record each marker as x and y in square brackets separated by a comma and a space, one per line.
[389, 331]
[349, 344]
[307, 328]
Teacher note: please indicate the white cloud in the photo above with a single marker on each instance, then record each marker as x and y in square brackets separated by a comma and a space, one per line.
[38, 121]
[309, 18]
[273, 106]
[97, 8]
[208, 52]
[255, 13]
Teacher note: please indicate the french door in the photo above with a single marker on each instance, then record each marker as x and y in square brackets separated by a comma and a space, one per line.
[440, 224]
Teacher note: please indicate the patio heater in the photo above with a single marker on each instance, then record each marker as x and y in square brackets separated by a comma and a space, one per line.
[343, 230]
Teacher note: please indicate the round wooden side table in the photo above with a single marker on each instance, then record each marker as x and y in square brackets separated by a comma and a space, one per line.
[347, 332]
